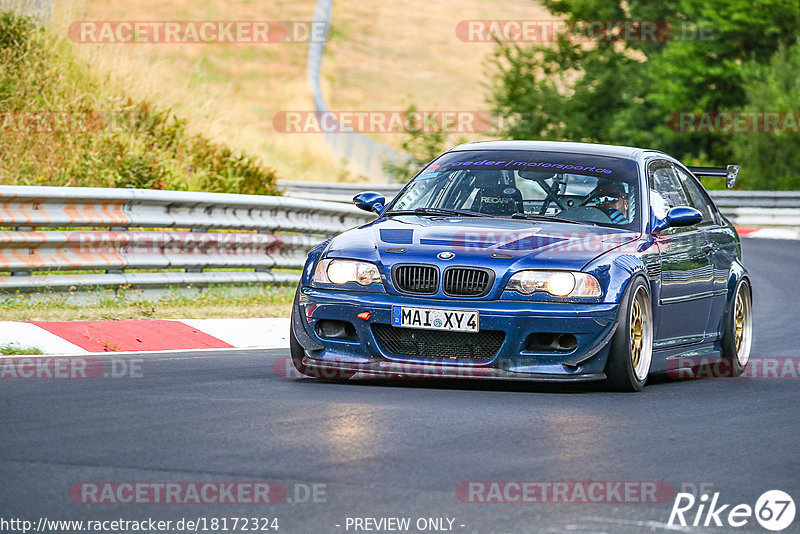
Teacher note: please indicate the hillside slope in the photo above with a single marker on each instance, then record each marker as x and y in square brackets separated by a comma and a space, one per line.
[63, 123]
[382, 56]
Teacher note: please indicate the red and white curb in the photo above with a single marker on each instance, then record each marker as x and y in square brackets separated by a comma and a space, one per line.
[769, 233]
[86, 337]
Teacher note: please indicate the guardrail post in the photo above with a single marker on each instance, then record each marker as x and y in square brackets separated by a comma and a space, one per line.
[263, 269]
[116, 229]
[22, 229]
[196, 269]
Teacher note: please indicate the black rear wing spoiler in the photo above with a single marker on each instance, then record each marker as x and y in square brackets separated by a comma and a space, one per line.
[731, 172]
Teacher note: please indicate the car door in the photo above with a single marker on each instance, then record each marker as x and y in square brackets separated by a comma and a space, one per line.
[686, 271]
[720, 245]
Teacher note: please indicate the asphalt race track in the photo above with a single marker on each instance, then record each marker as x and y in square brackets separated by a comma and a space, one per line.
[398, 449]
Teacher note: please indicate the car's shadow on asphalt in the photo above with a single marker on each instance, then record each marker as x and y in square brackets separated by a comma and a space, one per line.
[513, 386]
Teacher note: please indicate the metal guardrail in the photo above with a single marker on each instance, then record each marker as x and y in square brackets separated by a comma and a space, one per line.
[757, 199]
[759, 208]
[334, 192]
[744, 208]
[54, 230]
[175, 237]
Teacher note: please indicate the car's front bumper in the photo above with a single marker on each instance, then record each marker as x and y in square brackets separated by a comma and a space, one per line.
[593, 325]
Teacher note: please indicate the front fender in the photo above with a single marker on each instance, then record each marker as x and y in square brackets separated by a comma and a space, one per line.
[313, 255]
[737, 273]
[615, 274]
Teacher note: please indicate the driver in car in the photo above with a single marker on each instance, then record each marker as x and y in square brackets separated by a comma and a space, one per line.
[611, 198]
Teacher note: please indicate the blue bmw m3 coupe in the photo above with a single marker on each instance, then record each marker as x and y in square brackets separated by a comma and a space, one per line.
[539, 261]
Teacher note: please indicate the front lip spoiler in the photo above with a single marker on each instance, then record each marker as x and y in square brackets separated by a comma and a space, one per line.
[386, 369]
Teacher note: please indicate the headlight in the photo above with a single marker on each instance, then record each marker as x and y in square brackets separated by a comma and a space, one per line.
[345, 271]
[557, 283]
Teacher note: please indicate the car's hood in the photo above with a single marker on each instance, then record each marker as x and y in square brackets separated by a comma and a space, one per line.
[490, 242]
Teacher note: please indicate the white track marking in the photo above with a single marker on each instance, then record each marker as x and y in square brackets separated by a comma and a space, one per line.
[29, 335]
[246, 333]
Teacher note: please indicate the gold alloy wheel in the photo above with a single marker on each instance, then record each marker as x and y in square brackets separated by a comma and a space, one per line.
[641, 334]
[742, 325]
[636, 333]
[738, 318]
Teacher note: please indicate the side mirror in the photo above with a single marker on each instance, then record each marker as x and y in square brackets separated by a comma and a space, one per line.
[677, 217]
[370, 201]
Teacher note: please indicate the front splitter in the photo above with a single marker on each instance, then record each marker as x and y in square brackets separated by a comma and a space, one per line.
[384, 369]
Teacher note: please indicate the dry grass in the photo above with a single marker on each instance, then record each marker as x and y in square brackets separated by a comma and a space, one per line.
[392, 54]
[215, 303]
[383, 56]
[228, 92]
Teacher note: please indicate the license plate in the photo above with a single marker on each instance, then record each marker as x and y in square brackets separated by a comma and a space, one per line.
[433, 319]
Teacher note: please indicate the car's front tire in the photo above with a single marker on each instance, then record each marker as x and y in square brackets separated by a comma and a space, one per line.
[738, 335]
[631, 351]
[297, 353]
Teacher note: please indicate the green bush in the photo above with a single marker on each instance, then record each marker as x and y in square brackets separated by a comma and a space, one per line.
[113, 140]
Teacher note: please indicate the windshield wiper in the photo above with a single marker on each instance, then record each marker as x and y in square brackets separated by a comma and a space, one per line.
[534, 217]
[434, 211]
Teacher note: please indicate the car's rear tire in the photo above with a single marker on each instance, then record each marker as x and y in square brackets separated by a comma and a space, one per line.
[297, 353]
[737, 338]
[631, 351]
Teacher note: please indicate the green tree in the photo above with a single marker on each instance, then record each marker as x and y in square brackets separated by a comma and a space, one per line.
[772, 160]
[419, 147]
[623, 92]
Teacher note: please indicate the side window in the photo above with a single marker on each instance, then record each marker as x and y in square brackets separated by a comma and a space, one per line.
[666, 190]
[697, 197]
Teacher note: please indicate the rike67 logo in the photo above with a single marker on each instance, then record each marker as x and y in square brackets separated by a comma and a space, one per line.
[774, 510]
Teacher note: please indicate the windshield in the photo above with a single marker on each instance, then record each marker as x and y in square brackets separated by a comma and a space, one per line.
[527, 184]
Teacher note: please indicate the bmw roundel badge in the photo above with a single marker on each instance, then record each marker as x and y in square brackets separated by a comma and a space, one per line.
[446, 256]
